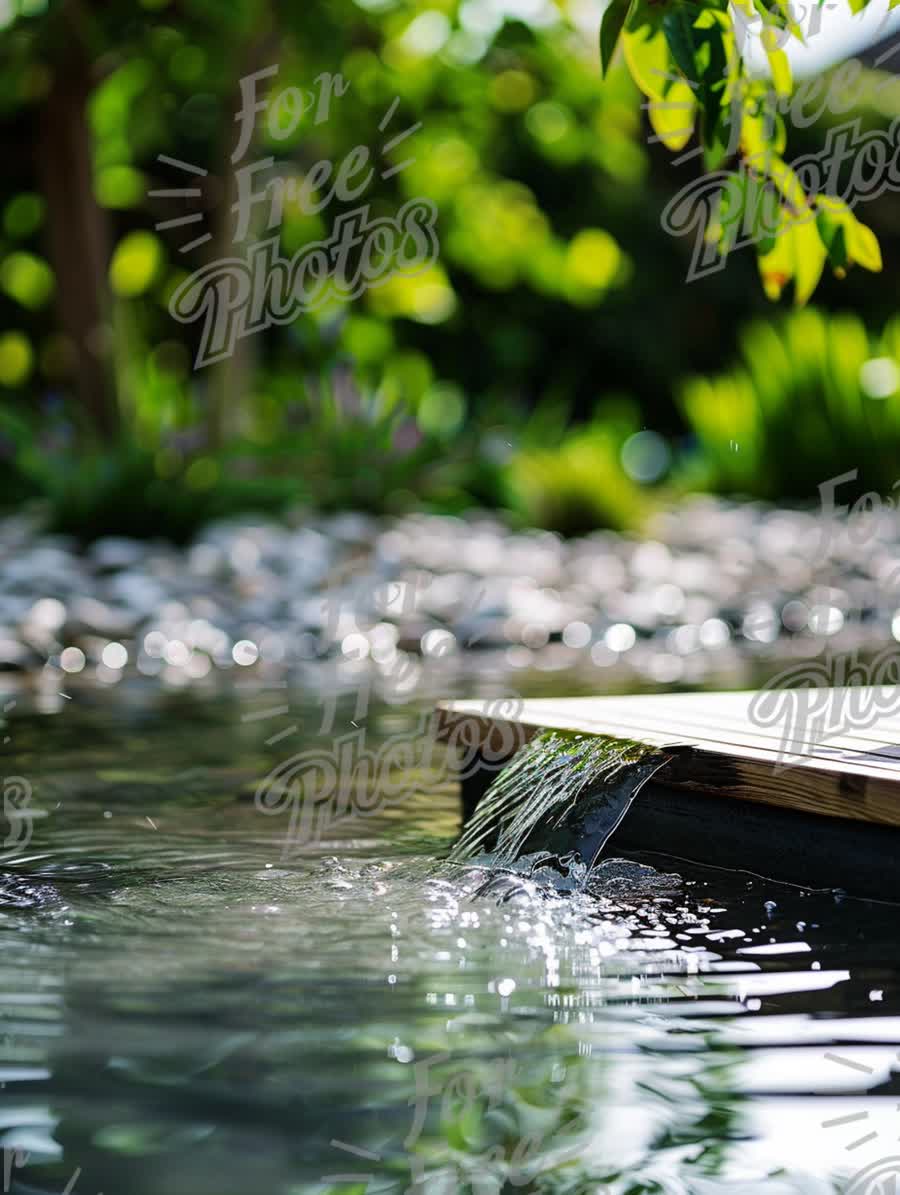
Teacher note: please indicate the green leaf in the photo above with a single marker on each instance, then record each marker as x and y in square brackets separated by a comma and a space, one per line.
[834, 209]
[732, 208]
[700, 49]
[645, 14]
[717, 137]
[750, 209]
[859, 241]
[679, 34]
[610, 28]
[833, 238]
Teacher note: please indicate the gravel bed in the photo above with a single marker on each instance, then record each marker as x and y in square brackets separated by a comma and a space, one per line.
[712, 588]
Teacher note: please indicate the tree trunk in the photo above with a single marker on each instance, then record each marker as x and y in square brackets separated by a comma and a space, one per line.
[78, 240]
[231, 381]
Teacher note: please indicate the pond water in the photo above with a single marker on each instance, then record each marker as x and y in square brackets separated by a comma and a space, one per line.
[197, 999]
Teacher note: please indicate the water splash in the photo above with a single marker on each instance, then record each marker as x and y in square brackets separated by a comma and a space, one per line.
[563, 792]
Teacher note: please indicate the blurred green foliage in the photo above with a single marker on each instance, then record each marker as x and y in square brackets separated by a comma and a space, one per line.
[811, 398]
[571, 478]
[492, 378]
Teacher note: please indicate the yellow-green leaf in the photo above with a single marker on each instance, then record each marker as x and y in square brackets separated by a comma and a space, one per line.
[776, 268]
[863, 247]
[787, 183]
[809, 258]
[778, 62]
[762, 134]
[797, 253]
[648, 61]
[790, 23]
[836, 208]
[673, 117]
[860, 241]
[672, 106]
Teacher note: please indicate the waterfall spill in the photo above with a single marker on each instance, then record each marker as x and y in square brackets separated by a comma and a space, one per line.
[563, 792]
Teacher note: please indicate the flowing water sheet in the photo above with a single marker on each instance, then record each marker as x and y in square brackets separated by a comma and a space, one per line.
[563, 792]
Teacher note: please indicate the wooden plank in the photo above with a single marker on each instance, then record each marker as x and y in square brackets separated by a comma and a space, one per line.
[718, 749]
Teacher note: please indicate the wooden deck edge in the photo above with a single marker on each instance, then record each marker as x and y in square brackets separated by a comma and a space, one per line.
[807, 789]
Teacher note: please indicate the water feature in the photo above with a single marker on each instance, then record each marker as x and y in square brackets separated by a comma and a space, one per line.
[559, 779]
[190, 1004]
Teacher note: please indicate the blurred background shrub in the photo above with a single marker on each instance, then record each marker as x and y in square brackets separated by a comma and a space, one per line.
[811, 397]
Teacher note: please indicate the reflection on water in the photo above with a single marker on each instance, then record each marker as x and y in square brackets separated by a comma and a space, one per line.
[186, 1010]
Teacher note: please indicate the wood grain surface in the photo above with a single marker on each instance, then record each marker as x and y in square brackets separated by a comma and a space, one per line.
[833, 752]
